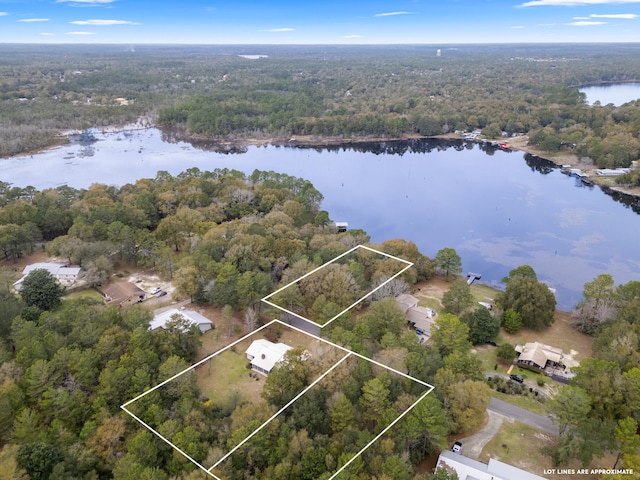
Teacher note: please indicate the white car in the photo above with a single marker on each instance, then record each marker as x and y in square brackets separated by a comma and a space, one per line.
[457, 447]
[155, 290]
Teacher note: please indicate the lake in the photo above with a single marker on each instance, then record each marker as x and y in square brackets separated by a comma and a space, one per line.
[616, 93]
[497, 209]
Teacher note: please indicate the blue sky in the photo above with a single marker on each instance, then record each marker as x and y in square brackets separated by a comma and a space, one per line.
[318, 22]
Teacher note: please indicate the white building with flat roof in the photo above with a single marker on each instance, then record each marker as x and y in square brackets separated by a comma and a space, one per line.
[469, 469]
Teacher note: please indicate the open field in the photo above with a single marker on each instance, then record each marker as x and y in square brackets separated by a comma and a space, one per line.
[521, 446]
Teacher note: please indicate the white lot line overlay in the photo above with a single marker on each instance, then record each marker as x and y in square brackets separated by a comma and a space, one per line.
[279, 412]
[348, 353]
[266, 299]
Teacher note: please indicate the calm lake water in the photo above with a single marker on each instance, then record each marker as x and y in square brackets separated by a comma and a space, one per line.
[497, 209]
[618, 93]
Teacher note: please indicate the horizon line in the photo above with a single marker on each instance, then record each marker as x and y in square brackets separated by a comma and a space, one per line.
[320, 44]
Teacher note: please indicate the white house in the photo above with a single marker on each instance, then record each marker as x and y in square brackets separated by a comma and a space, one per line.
[468, 469]
[194, 318]
[264, 355]
[65, 275]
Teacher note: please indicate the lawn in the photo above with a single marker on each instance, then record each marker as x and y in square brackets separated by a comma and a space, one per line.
[483, 293]
[225, 379]
[521, 446]
[86, 293]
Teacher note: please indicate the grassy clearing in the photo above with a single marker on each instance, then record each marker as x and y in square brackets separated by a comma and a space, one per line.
[521, 446]
[225, 377]
[432, 303]
[89, 293]
[483, 293]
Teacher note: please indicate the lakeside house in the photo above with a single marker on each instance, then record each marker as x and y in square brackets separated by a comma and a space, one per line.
[161, 320]
[263, 355]
[539, 356]
[469, 469]
[420, 318]
[64, 274]
[122, 293]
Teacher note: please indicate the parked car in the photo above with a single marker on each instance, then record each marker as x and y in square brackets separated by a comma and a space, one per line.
[161, 293]
[457, 447]
[155, 290]
[516, 378]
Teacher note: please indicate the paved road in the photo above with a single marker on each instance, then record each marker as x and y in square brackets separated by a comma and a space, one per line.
[522, 415]
[303, 324]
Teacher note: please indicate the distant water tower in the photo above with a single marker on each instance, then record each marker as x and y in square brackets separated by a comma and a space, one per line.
[438, 53]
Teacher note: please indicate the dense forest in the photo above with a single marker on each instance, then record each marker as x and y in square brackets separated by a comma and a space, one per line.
[227, 239]
[325, 91]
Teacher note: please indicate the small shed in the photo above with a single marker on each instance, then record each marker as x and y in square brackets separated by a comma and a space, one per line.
[264, 355]
[342, 226]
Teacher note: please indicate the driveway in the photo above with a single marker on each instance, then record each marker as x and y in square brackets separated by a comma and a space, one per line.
[472, 446]
[499, 412]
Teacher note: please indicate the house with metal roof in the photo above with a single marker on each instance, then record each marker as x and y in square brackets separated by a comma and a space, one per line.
[192, 317]
[469, 469]
[264, 355]
[65, 275]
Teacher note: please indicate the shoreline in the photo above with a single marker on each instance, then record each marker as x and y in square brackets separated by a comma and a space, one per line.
[518, 143]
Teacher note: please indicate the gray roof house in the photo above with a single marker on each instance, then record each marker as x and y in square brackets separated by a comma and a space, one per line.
[420, 317]
[194, 318]
[65, 275]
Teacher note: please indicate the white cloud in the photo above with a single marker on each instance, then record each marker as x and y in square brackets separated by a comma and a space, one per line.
[391, 14]
[103, 22]
[29, 20]
[581, 18]
[573, 3]
[353, 36]
[80, 33]
[87, 2]
[47, 34]
[517, 26]
[4, 14]
[585, 24]
[626, 16]
[280, 30]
